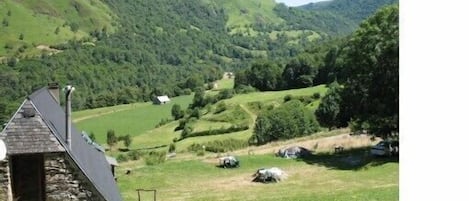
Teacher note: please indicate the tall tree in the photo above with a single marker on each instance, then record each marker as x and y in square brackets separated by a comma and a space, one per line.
[329, 107]
[111, 138]
[177, 112]
[300, 72]
[198, 100]
[371, 92]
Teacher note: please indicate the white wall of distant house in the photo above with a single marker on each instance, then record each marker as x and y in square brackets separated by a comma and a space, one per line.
[297, 2]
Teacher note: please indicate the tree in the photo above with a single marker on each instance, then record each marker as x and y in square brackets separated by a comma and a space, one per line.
[177, 112]
[21, 37]
[74, 27]
[329, 107]
[290, 120]
[371, 92]
[194, 82]
[299, 72]
[111, 138]
[198, 100]
[127, 140]
[172, 148]
[5, 22]
[265, 76]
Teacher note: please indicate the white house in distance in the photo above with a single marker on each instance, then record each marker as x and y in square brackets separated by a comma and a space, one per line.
[161, 100]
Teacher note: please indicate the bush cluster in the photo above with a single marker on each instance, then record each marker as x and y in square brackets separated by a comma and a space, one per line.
[218, 146]
[231, 129]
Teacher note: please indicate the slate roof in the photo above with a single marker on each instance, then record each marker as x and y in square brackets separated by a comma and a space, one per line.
[28, 133]
[92, 162]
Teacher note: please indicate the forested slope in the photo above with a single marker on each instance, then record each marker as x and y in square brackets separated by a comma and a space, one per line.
[140, 49]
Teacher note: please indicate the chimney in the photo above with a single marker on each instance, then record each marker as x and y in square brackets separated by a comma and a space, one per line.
[55, 91]
[68, 111]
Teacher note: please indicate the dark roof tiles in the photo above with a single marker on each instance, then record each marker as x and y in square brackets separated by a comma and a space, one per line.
[39, 127]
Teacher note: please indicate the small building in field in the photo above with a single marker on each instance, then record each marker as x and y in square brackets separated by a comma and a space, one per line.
[159, 100]
[43, 164]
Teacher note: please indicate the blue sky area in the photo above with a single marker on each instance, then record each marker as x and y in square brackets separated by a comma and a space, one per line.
[296, 2]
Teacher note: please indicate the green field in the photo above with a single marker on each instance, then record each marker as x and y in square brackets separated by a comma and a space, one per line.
[275, 95]
[139, 119]
[200, 179]
[245, 13]
[324, 176]
[135, 121]
[49, 22]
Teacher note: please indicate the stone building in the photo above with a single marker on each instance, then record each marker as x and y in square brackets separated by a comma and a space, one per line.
[43, 165]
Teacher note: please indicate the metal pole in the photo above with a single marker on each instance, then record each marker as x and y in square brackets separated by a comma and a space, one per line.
[68, 111]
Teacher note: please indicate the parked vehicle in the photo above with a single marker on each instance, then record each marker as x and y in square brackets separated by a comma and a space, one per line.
[386, 148]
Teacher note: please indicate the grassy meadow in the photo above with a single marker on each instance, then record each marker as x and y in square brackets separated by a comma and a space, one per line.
[351, 175]
[48, 22]
[139, 119]
[132, 119]
[200, 179]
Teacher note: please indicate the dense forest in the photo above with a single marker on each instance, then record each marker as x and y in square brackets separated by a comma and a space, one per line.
[363, 78]
[175, 46]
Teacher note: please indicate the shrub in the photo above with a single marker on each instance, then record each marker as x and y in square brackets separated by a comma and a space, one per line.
[218, 146]
[186, 91]
[127, 140]
[172, 148]
[316, 96]
[221, 107]
[155, 158]
[231, 129]
[163, 122]
[111, 138]
[195, 113]
[201, 152]
[290, 120]
[122, 158]
[287, 98]
[186, 132]
[195, 147]
[225, 94]
[135, 155]
[243, 89]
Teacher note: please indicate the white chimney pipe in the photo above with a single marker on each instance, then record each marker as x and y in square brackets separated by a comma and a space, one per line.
[68, 111]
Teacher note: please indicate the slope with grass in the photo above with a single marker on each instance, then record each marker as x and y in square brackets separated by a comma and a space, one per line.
[133, 119]
[28, 24]
[139, 119]
[242, 109]
[324, 176]
[243, 14]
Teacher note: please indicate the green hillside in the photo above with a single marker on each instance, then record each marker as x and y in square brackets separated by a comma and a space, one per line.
[243, 14]
[355, 10]
[129, 51]
[31, 23]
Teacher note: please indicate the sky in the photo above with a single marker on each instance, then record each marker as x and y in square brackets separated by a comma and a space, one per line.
[296, 2]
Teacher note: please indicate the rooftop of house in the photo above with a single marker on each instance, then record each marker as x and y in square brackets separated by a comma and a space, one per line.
[40, 125]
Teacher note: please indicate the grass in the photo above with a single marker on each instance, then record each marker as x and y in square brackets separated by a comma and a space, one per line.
[38, 21]
[200, 179]
[275, 95]
[139, 119]
[225, 84]
[241, 13]
[135, 121]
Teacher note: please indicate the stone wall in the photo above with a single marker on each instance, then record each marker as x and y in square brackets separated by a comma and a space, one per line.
[4, 179]
[64, 181]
